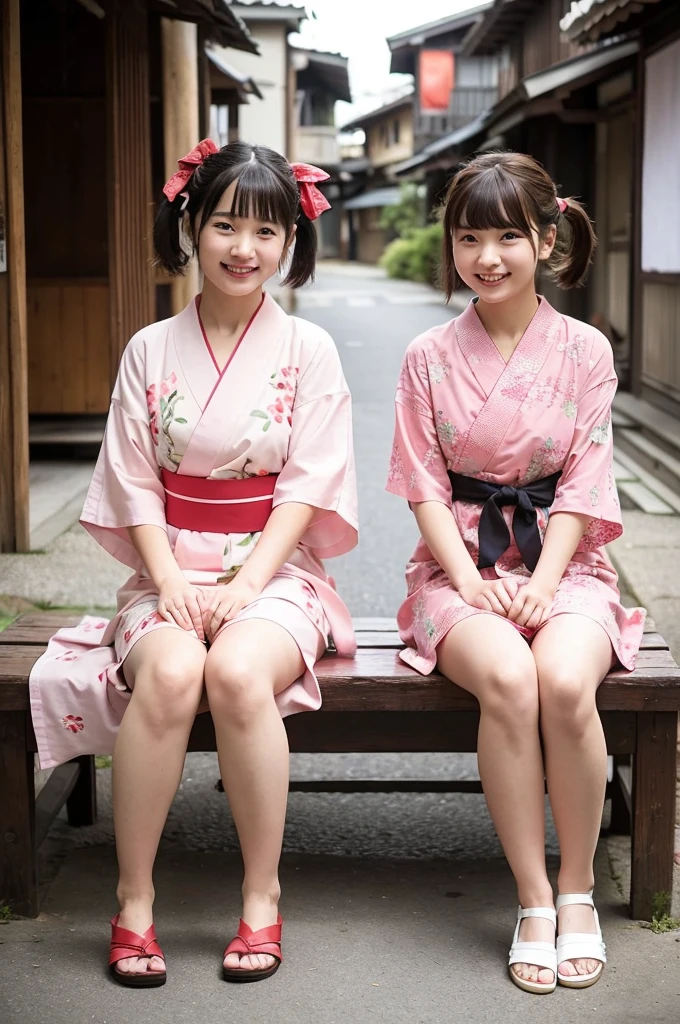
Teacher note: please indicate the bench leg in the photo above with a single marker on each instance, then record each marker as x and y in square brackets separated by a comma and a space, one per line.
[81, 806]
[18, 861]
[619, 823]
[653, 812]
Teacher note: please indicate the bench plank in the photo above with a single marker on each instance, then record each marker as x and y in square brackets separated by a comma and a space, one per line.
[378, 680]
[37, 628]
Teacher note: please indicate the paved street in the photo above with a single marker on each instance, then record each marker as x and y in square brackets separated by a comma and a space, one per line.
[399, 908]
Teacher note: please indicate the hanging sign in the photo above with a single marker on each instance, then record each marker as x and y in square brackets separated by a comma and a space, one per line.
[435, 80]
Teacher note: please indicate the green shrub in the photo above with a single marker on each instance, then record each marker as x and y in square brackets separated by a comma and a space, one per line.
[396, 258]
[408, 214]
[415, 258]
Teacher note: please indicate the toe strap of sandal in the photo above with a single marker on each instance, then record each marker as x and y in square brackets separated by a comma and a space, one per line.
[126, 944]
[540, 954]
[580, 946]
[266, 941]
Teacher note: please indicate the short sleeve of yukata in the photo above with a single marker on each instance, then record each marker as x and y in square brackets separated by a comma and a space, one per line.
[418, 470]
[587, 485]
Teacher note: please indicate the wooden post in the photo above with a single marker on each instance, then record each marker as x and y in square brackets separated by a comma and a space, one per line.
[81, 805]
[18, 862]
[180, 122]
[14, 492]
[653, 812]
[233, 130]
[131, 277]
[204, 89]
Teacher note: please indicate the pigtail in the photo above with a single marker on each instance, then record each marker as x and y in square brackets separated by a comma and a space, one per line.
[168, 237]
[303, 263]
[576, 241]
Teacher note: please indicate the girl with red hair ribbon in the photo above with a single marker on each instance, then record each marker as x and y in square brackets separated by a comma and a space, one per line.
[225, 477]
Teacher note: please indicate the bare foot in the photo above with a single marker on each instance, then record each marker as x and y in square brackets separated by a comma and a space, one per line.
[258, 912]
[137, 917]
[577, 918]
[535, 929]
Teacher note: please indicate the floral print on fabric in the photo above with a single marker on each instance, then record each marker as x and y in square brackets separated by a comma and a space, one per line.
[553, 399]
[284, 382]
[74, 723]
[161, 401]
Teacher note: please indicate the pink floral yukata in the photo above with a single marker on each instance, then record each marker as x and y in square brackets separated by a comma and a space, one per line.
[461, 407]
[280, 406]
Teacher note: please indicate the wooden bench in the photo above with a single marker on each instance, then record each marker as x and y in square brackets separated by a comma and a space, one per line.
[373, 703]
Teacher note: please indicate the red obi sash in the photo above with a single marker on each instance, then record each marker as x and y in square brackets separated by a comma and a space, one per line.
[218, 506]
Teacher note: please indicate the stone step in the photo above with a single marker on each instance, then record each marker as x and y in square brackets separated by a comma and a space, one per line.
[639, 472]
[658, 426]
[650, 455]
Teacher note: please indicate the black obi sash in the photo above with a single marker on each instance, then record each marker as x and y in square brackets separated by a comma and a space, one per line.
[494, 536]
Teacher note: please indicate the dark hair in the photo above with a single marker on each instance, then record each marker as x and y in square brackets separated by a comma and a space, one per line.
[266, 189]
[512, 190]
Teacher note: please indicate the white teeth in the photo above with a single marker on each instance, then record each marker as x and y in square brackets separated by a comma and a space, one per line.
[239, 270]
[491, 277]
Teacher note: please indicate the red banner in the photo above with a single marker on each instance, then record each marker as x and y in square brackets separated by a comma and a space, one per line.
[435, 80]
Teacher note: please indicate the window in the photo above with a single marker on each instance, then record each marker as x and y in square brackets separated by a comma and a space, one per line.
[395, 131]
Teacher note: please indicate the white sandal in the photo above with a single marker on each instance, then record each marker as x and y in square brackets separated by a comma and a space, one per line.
[539, 954]
[580, 945]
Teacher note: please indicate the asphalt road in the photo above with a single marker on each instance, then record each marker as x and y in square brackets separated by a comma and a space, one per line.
[372, 321]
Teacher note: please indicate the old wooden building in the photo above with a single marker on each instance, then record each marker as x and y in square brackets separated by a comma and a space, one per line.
[570, 104]
[97, 100]
[651, 162]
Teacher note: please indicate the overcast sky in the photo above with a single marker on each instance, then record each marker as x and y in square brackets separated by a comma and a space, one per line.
[358, 29]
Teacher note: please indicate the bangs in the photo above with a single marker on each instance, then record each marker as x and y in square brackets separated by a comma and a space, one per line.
[490, 199]
[260, 193]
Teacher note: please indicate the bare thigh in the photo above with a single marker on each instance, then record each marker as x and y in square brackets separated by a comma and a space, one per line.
[573, 654]
[163, 647]
[262, 649]
[483, 650]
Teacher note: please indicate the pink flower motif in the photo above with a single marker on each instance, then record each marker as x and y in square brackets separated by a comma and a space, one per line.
[67, 656]
[168, 385]
[153, 617]
[152, 399]
[127, 634]
[73, 723]
[154, 411]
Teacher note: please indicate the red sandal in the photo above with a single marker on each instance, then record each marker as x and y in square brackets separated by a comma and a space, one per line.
[265, 940]
[125, 944]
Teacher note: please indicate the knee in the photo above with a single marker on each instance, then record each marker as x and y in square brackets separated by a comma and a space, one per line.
[236, 690]
[168, 694]
[565, 701]
[510, 694]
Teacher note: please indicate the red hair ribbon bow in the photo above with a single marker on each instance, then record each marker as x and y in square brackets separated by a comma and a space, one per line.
[562, 204]
[187, 165]
[312, 201]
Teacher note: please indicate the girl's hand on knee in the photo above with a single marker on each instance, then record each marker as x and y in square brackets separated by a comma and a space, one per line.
[226, 602]
[531, 605]
[181, 603]
[487, 595]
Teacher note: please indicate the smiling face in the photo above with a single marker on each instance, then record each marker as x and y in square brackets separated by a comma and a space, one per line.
[499, 263]
[237, 254]
[499, 219]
